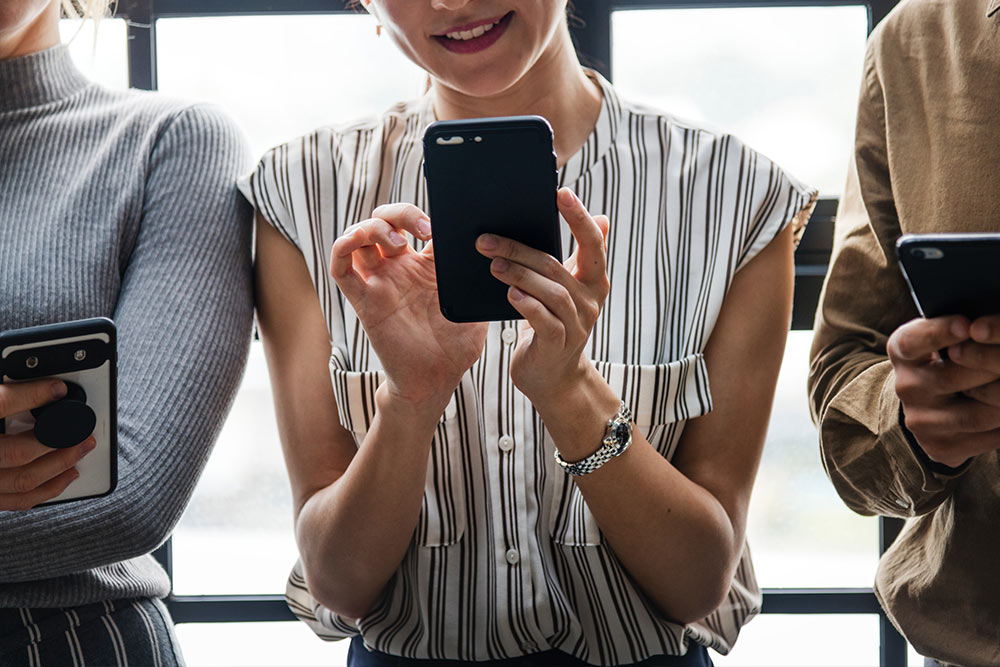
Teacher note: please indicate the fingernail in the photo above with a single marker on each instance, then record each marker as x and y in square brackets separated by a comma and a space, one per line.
[980, 331]
[396, 238]
[89, 445]
[566, 196]
[58, 389]
[75, 475]
[958, 329]
[516, 294]
[500, 265]
[955, 352]
[488, 242]
[424, 226]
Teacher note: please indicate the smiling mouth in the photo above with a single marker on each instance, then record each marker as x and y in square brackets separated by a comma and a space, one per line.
[474, 37]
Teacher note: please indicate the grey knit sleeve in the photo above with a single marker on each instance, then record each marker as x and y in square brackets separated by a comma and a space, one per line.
[184, 314]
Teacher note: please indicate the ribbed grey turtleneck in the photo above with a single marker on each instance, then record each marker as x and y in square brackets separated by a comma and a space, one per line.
[123, 205]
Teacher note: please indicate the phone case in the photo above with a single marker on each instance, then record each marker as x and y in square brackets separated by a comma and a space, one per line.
[82, 352]
[495, 175]
[952, 274]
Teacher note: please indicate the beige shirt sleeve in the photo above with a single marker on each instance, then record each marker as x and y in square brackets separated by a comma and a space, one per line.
[851, 383]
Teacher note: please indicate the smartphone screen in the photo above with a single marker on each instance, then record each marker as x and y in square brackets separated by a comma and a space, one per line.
[490, 175]
[952, 274]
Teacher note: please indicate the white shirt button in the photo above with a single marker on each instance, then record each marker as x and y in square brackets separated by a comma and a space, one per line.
[509, 335]
[506, 443]
[512, 556]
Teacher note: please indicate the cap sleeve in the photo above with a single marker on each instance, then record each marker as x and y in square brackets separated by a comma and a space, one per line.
[267, 189]
[777, 201]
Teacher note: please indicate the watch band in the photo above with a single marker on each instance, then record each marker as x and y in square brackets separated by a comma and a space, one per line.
[617, 440]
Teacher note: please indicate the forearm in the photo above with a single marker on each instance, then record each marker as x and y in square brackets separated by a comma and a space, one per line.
[354, 533]
[654, 517]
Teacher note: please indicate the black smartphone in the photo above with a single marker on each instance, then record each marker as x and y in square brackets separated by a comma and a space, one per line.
[952, 274]
[83, 354]
[487, 175]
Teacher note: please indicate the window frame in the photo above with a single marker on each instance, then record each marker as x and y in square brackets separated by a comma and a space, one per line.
[592, 33]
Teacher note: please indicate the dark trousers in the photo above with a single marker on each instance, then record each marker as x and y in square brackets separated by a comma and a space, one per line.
[359, 656]
[105, 634]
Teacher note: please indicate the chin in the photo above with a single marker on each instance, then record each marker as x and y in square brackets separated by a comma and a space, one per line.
[487, 82]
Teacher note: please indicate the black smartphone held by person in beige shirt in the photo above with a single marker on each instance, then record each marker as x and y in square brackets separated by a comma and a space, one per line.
[82, 354]
[952, 274]
[488, 175]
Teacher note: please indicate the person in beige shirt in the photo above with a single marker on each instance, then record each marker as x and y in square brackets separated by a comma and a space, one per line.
[903, 432]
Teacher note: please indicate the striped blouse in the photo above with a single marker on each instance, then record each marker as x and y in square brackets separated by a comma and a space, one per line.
[506, 558]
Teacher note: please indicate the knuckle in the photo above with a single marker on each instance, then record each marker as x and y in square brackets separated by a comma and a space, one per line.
[509, 248]
[23, 481]
[562, 297]
[591, 310]
[551, 267]
[919, 422]
[13, 455]
[907, 389]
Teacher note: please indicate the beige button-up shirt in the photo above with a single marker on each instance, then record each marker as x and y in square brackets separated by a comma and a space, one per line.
[927, 159]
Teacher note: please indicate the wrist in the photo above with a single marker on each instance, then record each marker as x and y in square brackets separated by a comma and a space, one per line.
[419, 411]
[577, 414]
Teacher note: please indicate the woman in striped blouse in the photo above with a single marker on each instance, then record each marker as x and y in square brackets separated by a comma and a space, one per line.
[433, 520]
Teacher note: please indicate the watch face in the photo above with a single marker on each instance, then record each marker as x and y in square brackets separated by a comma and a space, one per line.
[621, 431]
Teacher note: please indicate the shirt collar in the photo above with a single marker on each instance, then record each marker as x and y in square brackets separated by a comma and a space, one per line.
[38, 78]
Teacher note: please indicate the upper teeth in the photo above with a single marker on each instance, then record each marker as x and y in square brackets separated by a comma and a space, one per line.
[465, 35]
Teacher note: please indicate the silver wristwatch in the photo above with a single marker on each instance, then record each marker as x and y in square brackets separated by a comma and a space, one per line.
[617, 440]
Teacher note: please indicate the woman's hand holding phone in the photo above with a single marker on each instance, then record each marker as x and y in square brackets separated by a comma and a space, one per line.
[952, 406]
[393, 289]
[30, 472]
[560, 301]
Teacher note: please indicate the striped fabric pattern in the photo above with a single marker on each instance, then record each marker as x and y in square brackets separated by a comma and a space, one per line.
[507, 559]
[115, 633]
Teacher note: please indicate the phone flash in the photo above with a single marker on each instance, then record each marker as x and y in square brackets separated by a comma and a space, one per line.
[80, 355]
[479, 140]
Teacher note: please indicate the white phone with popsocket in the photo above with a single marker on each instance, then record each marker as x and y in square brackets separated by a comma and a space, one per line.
[83, 355]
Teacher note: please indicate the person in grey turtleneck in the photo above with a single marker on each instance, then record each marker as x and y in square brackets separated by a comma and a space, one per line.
[121, 205]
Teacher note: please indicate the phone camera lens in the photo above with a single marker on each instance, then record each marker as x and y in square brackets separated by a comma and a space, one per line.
[31, 362]
[918, 253]
[80, 355]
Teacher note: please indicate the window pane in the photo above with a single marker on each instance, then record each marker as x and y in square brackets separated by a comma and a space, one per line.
[258, 645]
[783, 79]
[801, 534]
[99, 50]
[279, 77]
[236, 535]
[283, 76]
[807, 640]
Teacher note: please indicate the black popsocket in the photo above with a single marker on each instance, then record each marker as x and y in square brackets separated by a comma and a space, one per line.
[65, 422]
